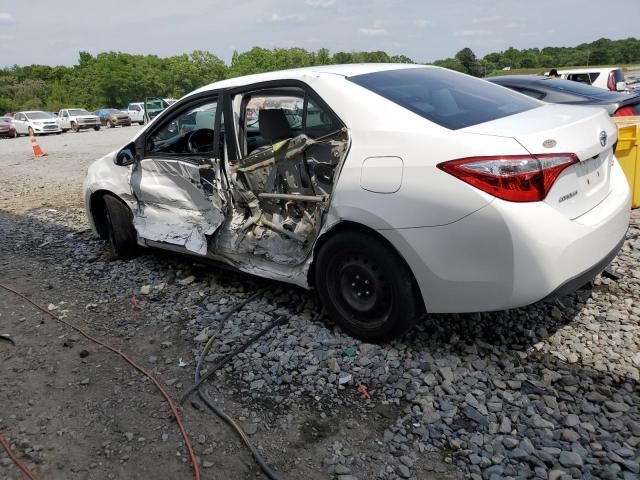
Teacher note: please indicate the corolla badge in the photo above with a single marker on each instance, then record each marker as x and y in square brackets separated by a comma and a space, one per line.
[549, 143]
[603, 138]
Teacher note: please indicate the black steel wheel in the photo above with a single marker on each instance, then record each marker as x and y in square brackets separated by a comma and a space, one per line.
[366, 287]
[119, 228]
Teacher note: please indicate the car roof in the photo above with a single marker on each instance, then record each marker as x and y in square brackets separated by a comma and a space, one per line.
[346, 70]
[588, 70]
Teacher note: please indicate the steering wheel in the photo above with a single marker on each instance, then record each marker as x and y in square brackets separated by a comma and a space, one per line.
[200, 141]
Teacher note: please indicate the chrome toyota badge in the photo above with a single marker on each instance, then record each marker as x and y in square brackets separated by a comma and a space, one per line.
[603, 138]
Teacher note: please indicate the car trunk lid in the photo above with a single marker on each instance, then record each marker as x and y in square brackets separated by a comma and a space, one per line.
[584, 131]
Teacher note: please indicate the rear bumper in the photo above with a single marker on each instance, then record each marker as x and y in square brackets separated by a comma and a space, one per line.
[585, 277]
[508, 255]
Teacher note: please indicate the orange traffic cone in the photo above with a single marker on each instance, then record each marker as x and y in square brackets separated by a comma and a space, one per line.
[37, 151]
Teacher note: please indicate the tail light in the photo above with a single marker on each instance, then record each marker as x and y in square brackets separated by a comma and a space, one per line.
[515, 178]
[611, 82]
[625, 112]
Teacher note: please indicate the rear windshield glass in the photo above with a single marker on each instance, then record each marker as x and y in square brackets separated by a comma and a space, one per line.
[576, 87]
[450, 99]
[618, 75]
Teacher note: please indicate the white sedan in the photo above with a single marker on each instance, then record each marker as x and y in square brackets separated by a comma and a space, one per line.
[35, 123]
[391, 189]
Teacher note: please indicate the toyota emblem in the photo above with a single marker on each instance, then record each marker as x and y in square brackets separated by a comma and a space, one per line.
[603, 138]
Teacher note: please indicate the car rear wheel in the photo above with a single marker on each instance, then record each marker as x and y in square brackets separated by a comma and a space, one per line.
[119, 228]
[366, 287]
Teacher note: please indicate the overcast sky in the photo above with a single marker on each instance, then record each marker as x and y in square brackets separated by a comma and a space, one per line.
[53, 32]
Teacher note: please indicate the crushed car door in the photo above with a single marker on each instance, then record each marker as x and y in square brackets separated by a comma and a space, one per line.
[178, 181]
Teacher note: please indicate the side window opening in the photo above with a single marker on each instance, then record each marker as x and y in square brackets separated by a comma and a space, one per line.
[188, 133]
[580, 77]
[290, 148]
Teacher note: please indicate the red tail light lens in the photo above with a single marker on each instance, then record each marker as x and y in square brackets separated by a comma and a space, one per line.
[611, 82]
[625, 112]
[515, 178]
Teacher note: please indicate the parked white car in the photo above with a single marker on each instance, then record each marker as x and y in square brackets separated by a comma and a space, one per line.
[77, 119]
[391, 189]
[606, 78]
[136, 112]
[36, 122]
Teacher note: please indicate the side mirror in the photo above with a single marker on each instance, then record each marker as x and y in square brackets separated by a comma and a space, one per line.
[126, 156]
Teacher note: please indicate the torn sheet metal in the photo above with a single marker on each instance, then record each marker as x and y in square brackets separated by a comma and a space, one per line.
[177, 205]
[178, 227]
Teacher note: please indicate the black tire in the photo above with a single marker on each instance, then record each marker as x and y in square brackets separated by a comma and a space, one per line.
[109, 124]
[75, 127]
[31, 132]
[119, 228]
[96, 128]
[140, 123]
[15, 134]
[366, 287]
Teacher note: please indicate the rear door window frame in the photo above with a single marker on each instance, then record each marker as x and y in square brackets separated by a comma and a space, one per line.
[232, 131]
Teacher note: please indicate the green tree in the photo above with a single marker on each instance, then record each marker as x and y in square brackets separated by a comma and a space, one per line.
[469, 62]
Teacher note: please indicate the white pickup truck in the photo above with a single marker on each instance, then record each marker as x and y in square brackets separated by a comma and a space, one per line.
[77, 119]
[136, 112]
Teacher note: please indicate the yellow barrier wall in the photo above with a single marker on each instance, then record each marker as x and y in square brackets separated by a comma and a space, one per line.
[628, 153]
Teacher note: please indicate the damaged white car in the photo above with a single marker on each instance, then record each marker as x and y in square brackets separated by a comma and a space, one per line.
[391, 189]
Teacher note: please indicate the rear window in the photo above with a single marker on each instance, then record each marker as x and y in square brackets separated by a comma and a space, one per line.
[618, 75]
[576, 87]
[452, 100]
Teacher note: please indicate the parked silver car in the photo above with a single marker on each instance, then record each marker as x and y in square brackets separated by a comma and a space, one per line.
[36, 123]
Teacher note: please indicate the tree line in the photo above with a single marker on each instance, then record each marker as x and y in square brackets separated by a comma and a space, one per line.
[113, 79]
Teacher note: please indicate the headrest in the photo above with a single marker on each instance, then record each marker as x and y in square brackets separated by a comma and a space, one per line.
[274, 125]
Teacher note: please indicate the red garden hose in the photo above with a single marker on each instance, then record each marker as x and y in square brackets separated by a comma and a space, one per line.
[174, 409]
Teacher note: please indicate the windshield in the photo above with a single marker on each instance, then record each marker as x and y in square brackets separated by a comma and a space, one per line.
[452, 100]
[156, 105]
[38, 116]
[78, 111]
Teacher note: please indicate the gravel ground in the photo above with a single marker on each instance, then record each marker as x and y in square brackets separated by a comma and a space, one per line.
[549, 391]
